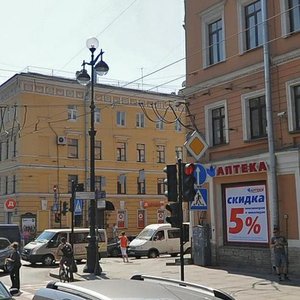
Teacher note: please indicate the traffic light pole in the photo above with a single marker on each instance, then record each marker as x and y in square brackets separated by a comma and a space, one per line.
[180, 198]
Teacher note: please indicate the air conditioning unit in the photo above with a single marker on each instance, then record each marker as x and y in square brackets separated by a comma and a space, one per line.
[61, 140]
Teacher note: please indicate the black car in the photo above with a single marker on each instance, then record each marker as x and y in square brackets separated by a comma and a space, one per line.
[113, 247]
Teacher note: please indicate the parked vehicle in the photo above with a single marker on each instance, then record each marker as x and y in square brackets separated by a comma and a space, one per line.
[4, 292]
[12, 233]
[143, 287]
[156, 239]
[113, 247]
[5, 251]
[44, 247]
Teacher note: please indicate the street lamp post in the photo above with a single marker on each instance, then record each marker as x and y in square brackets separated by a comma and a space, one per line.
[101, 68]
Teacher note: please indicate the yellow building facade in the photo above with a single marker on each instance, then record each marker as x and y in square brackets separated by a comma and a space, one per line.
[45, 145]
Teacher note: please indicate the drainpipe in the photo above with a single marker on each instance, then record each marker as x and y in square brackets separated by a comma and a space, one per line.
[270, 130]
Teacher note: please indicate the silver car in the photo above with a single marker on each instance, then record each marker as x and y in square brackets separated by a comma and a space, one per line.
[143, 287]
[4, 293]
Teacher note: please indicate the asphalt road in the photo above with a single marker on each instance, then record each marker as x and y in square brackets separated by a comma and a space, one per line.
[242, 285]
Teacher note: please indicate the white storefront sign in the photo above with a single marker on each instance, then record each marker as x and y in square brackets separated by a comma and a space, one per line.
[246, 214]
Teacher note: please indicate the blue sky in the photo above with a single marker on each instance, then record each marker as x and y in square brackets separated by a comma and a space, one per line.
[138, 37]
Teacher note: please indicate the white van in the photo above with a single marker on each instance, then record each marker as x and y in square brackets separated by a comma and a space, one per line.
[156, 239]
[44, 247]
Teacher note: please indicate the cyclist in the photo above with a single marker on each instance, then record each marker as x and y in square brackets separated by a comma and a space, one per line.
[67, 256]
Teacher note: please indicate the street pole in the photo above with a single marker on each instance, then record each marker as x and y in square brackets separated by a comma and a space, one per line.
[92, 264]
[72, 212]
[180, 198]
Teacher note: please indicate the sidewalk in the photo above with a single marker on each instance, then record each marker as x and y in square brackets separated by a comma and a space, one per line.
[240, 284]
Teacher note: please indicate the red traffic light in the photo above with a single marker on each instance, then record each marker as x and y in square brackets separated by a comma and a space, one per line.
[189, 169]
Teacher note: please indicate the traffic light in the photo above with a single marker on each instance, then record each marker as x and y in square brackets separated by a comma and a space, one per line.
[65, 208]
[57, 217]
[80, 187]
[171, 183]
[189, 180]
[174, 219]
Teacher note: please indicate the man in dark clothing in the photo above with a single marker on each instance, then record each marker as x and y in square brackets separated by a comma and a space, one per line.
[67, 257]
[15, 262]
[278, 243]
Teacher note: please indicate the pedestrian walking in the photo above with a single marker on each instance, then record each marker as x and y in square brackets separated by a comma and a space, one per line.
[123, 244]
[14, 262]
[278, 243]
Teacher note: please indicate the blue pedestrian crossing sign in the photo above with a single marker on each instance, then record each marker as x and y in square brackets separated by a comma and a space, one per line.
[78, 205]
[200, 200]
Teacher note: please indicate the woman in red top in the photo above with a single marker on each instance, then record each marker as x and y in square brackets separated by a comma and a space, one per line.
[123, 245]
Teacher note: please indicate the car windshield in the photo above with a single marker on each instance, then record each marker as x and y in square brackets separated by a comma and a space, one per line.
[146, 234]
[45, 236]
[4, 294]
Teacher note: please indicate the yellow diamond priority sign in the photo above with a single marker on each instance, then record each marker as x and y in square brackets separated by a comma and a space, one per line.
[196, 145]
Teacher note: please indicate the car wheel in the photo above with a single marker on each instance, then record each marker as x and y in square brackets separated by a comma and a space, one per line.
[137, 257]
[48, 260]
[114, 252]
[188, 251]
[152, 254]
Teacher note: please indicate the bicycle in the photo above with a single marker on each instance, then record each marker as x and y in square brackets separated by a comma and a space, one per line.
[65, 273]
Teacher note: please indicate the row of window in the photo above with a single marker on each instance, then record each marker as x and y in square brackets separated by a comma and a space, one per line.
[9, 144]
[121, 151]
[7, 185]
[121, 184]
[250, 23]
[253, 115]
[121, 119]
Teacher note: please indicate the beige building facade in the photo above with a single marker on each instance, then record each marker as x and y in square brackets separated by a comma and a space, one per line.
[45, 146]
[246, 96]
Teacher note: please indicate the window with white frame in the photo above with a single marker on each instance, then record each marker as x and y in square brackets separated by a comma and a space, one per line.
[100, 182]
[72, 112]
[290, 16]
[98, 150]
[6, 185]
[97, 115]
[179, 152]
[121, 118]
[254, 115]
[161, 153]
[121, 184]
[159, 124]
[178, 126]
[14, 184]
[7, 149]
[161, 187]
[140, 120]
[216, 123]
[121, 151]
[141, 152]
[250, 23]
[14, 146]
[72, 178]
[212, 21]
[293, 104]
[141, 186]
[72, 148]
